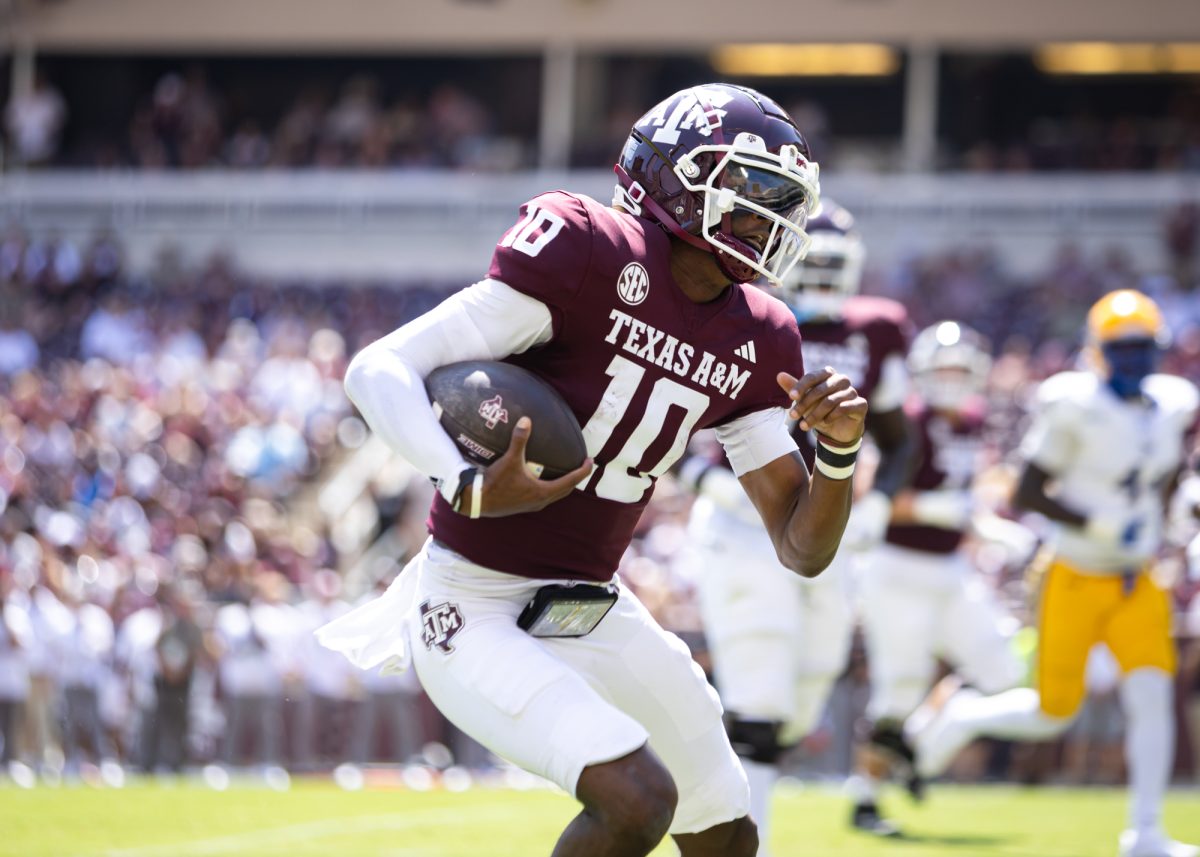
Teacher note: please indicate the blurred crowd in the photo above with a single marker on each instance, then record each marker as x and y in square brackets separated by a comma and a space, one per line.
[179, 509]
[1087, 143]
[186, 123]
[359, 120]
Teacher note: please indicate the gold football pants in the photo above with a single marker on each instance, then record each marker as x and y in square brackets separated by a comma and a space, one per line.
[1129, 613]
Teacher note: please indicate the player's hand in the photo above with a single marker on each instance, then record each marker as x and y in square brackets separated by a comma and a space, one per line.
[827, 402]
[509, 488]
[1114, 530]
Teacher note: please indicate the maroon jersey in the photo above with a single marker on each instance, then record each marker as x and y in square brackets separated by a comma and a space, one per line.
[870, 330]
[641, 366]
[948, 457]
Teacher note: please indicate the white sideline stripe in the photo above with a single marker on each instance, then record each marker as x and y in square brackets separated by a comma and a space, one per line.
[315, 830]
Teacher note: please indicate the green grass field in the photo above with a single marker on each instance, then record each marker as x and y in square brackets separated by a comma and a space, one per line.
[152, 820]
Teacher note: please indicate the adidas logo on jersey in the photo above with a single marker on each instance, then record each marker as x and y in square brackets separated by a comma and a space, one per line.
[746, 352]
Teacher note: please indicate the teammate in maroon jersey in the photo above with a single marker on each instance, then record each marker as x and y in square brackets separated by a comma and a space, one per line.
[779, 642]
[635, 314]
[920, 596]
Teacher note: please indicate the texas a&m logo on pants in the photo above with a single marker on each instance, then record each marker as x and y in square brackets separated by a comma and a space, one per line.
[439, 624]
[493, 411]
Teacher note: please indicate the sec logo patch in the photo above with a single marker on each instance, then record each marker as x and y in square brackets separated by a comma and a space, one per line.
[634, 284]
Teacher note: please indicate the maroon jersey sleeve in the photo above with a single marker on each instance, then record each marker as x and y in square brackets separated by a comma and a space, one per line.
[886, 325]
[547, 253]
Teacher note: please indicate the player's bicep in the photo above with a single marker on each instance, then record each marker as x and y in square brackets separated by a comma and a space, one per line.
[486, 321]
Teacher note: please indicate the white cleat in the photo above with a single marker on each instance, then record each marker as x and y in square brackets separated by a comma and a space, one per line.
[1153, 843]
[944, 737]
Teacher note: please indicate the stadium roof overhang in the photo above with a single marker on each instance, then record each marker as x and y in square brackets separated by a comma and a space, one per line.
[490, 26]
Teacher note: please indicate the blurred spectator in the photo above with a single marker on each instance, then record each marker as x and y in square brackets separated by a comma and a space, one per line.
[329, 685]
[1181, 235]
[178, 648]
[18, 349]
[34, 121]
[86, 652]
[251, 686]
[15, 639]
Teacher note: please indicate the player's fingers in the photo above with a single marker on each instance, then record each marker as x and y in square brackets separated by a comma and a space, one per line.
[562, 486]
[822, 409]
[818, 412]
[520, 437]
[798, 387]
[830, 383]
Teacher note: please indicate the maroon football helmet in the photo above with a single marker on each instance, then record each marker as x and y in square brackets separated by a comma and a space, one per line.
[709, 151]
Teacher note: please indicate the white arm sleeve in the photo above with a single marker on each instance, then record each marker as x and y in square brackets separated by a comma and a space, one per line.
[486, 321]
[756, 439]
[892, 389]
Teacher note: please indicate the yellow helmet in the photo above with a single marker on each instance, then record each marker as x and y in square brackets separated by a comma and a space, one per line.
[1125, 314]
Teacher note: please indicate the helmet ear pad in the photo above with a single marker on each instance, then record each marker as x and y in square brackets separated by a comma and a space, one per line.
[685, 207]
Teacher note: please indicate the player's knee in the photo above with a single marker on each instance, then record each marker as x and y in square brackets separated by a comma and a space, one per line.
[634, 798]
[742, 838]
[756, 740]
[1060, 705]
[644, 817]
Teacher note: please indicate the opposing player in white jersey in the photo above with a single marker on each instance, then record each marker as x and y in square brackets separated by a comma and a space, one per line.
[920, 598]
[1102, 456]
[778, 641]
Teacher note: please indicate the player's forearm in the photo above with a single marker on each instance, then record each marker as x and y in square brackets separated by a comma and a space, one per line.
[814, 529]
[1031, 496]
[897, 446]
[386, 380]
[390, 394]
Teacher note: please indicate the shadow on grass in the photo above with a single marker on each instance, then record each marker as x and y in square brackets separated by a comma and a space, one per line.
[955, 840]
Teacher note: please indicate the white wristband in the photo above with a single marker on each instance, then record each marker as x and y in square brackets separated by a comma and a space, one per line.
[477, 494]
[836, 462]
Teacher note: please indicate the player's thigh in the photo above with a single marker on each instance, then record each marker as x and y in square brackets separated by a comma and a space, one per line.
[752, 621]
[505, 689]
[1070, 608]
[742, 586]
[826, 620]
[650, 675]
[900, 618]
[1139, 631]
[976, 639]
[755, 674]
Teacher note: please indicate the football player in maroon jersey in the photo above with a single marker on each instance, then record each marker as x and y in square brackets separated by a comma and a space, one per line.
[779, 642]
[636, 314]
[920, 597]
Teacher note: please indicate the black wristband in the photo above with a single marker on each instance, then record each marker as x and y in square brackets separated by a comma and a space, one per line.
[836, 462]
[464, 479]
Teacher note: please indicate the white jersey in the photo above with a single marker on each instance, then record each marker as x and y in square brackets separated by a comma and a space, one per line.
[1110, 456]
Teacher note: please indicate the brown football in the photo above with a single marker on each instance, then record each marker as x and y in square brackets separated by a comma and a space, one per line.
[478, 402]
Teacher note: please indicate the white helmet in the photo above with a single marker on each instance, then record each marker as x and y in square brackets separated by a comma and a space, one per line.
[950, 364]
